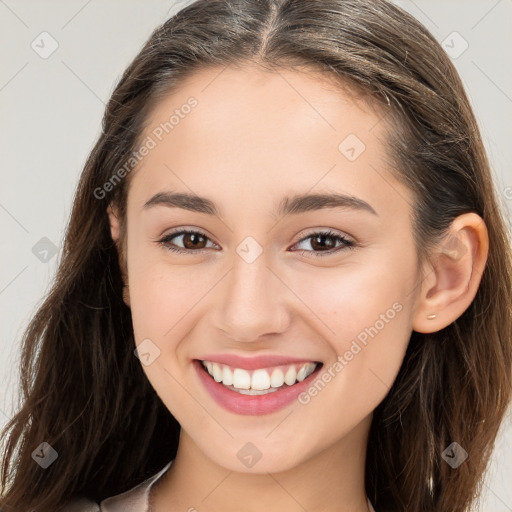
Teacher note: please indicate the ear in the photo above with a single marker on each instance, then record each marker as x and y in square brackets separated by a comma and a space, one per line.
[453, 278]
[114, 222]
[115, 232]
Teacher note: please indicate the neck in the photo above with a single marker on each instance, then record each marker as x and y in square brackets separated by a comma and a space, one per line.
[330, 481]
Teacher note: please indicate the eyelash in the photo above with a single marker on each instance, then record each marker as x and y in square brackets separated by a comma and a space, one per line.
[347, 244]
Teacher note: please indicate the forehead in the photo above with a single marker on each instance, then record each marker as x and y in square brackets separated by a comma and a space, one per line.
[255, 134]
[250, 99]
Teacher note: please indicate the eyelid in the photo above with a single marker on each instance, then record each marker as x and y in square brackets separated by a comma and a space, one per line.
[330, 231]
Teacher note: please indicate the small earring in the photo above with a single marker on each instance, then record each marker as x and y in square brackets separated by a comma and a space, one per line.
[431, 317]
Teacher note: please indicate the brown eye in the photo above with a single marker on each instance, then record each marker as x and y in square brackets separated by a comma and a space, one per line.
[325, 243]
[193, 241]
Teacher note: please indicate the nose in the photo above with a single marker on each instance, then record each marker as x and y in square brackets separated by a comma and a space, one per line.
[252, 301]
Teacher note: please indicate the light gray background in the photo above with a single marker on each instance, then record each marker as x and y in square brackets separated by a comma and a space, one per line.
[51, 111]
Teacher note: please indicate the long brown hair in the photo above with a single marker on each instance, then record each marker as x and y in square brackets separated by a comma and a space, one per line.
[85, 393]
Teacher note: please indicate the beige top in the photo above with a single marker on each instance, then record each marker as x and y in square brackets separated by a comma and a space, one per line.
[133, 500]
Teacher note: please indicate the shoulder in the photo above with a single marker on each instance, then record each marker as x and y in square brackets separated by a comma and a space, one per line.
[135, 499]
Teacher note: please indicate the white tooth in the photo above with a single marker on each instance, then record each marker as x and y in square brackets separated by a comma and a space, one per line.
[277, 378]
[290, 376]
[305, 370]
[227, 376]
[241, 379]
[310, 368]
[217, 372]
[260, 380]
[209, 367]
[301, 374]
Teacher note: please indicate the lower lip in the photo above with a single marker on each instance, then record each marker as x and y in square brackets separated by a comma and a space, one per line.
[251, 404]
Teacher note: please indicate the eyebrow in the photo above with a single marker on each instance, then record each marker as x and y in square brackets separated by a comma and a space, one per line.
[293, 205]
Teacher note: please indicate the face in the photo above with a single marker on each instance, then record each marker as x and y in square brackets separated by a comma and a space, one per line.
[268, 284]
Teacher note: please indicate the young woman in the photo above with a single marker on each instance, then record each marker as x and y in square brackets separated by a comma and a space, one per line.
[286, 282]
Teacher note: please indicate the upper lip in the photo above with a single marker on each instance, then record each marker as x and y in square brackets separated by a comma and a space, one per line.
[254, 362]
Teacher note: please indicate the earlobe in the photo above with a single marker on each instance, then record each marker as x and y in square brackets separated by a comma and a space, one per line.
[452, 283]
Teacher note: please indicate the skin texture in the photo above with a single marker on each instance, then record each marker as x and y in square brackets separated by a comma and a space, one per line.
[254, 138]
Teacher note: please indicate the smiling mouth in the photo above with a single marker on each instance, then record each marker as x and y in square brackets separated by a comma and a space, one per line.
[261, 381]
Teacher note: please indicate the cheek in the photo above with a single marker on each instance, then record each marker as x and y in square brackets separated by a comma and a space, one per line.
[350, 298]
[162, 299]
[365, 314]
[372, 331]
[161, 294]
